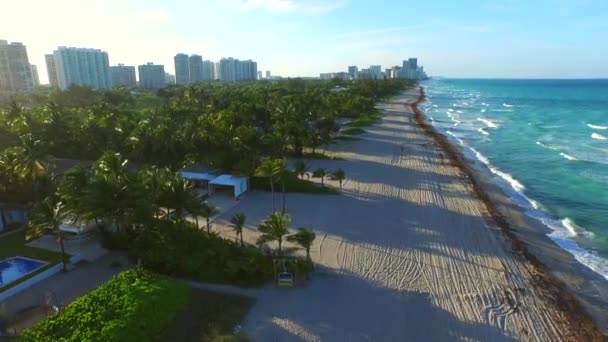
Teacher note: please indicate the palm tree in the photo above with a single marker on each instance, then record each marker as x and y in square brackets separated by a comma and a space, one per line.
[49, 215]
[208, 211]
[304, 238]
[237, 223]
[269, 169]
[180, 195]
[274, 228]
[74, 192]
[340, 176]
[301, 168]
[320, 173]
[33, 160]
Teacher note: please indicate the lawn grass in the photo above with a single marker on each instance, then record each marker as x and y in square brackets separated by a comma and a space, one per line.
[210, 316]
[13, 244]
[134, 305]
[293, 184]
[364, 120]
[353, 131]
[346, 138]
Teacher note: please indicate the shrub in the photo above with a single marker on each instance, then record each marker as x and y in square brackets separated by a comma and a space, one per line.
[364, 120]
[178, 249]
[135, 305]
[353, 131]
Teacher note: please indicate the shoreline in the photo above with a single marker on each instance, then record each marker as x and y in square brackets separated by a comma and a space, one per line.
[571, 286]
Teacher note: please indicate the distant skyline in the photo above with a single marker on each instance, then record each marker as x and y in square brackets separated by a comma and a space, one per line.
[481, 38]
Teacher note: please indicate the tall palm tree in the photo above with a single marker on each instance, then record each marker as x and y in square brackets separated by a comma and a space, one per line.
[74, 192]
[320, 173]
[301, 168]
[237, 223]
[271, 169]
[180, 195]
[274, 228]
[339, 175]
[304, 238]
[49, 215]
[208, 211]
[33, 159]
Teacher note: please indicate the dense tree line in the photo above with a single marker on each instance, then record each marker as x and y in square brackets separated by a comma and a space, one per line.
[229, 127]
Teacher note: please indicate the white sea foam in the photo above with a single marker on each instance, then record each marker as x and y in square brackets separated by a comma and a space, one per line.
[483, 110]
[483, 131]
[453, 118]
[459, 112]
[489, 123]
[435, 106]
[598, 136]
[567, 156]
[597, 127]
[450, 110]
[465, 103]
[546, 146]
[564, 231]
[507, 105]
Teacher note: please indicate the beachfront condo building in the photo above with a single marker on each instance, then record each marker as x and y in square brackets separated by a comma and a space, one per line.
[196, 68]
[268, 76]
[51, 70]
[353, 72]
[259, 74]
[35, 77]
[82, 67]
[231, 69]
[15, 69]
[182, 69]
[376, 72]
[208, 71]
[152, 76]
[169, 79]
[123, 76]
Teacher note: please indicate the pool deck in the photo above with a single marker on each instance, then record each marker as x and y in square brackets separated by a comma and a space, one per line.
[30, 306]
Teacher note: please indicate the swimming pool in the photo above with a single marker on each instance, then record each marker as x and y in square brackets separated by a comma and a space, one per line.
[14, 268]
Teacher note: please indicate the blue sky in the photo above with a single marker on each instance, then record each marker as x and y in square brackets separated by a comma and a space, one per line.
[467, 38]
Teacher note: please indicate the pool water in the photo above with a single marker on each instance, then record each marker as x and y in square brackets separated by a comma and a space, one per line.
[14, 268]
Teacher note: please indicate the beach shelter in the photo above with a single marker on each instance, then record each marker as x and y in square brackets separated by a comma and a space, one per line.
[201, 179]
[239, 184]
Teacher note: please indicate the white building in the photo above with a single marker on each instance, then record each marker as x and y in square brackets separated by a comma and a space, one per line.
[182, 69]
[51, 70]
[15, 69]
[376, 71]
[208, 73]
[82, 67]
[35, 77]
[196, 68]
[169, 79]
[152, 76]
[123, 76]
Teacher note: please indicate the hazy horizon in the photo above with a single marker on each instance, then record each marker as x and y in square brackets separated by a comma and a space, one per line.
[472, 39]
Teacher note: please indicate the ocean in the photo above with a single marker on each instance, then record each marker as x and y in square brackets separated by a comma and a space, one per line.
[544, 142]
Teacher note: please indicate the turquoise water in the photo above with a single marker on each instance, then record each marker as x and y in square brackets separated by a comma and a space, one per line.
[545, 142]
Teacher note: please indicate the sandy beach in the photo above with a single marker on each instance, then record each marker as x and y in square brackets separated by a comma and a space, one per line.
[408, 251]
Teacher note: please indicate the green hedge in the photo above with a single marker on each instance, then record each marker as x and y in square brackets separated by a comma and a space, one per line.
[178, 249]
[135, 305]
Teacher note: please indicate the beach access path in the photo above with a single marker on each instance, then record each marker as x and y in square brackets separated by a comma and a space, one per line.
[407, 252]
